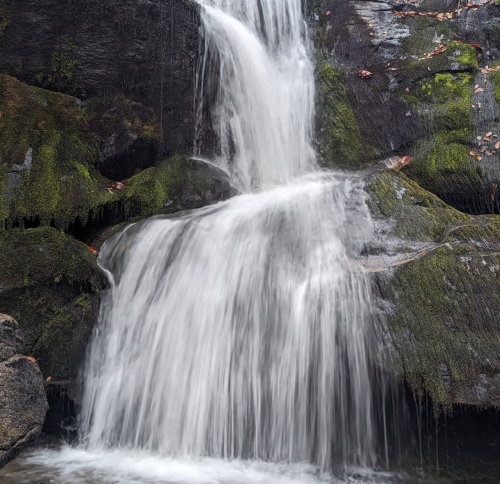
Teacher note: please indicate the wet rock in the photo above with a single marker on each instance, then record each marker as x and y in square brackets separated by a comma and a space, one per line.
[51, 284]
[144, 50]
[418, 104]
[23, 404]
[439, 270]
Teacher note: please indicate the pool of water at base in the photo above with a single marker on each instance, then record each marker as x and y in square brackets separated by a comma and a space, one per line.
[78, 466]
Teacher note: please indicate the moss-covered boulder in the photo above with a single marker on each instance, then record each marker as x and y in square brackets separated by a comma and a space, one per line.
[430, 95]
[51, 149]
[51, 284]
[440, 272]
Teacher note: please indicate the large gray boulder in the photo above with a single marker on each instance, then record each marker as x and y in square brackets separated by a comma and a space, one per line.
[22, 397]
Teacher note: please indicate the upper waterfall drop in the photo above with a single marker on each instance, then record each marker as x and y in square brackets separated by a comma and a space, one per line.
[242, 330]
[262, 66]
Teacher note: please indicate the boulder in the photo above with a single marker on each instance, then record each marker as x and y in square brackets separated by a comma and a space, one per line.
[51, 284]
[23, 404]
[429, 105]
[437, 272]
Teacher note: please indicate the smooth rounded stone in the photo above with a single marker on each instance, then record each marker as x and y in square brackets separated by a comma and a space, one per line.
[22, 397]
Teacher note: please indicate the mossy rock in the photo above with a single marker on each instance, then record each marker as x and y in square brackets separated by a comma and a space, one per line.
[445, 299]
[415, 213]
[49, 157]
[339, 138]
[51, 284]
[442, 163]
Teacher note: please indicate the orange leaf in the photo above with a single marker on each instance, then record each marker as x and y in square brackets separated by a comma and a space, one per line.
[365, 74]
[94, 251]
[472, 153]
[404, 160]
[479, 158]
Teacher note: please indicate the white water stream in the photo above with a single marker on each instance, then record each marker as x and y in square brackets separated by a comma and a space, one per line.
[240, 333]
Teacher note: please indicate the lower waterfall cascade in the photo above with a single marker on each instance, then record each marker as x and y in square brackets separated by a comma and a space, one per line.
[237, 342]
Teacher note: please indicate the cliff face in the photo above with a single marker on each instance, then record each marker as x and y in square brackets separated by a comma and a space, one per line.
[144, 50]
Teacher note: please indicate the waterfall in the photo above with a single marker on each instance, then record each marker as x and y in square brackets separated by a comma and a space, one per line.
[243, 330]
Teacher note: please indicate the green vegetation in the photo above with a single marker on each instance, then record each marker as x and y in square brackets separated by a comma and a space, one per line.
[442, 163]
[444, 320]
[340, 140]
[51, 284]
[64, 71]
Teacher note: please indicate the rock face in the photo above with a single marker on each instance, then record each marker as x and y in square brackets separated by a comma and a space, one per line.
[22, 397]
[430, 107]
[141, 49]
[438, 273]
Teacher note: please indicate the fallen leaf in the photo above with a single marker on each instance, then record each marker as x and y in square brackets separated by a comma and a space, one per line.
[407, 89]
[49, 378]
[404, 160]
[479, 138]
[476, 86]
[482, 149]
[328, 13]
[489, 134]
[497, 146]
[486, 138]
[472, 153]
[94, 251]
[479, 158]
[365, 74]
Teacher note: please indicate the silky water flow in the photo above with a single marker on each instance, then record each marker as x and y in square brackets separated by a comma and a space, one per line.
[240, 334]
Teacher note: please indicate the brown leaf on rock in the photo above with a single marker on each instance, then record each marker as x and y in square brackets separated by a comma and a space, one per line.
[365, 74]
[479, 158]
[94, 251]
[472, 153]
[489, 134]
[404, 160]
[497, 146]
[486, 138]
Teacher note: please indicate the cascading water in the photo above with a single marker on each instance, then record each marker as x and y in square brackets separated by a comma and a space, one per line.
[241, 330]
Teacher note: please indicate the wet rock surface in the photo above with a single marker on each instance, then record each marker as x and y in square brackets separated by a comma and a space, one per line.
[430, 107]
[437, 271]
[22, 397]
[144, 50]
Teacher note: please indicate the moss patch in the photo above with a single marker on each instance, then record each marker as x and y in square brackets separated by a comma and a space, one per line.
[51, 284]
[417, 213]
[339, 138]
[64, 71]
[442, 163]
[446, 323]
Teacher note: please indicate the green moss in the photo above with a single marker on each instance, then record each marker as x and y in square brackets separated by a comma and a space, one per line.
[51, 284]
[4, 19]
[159, 189]
[442, 163]
[48, 156]
[340, 140]
[445, 322]
[495, 77]
[64, 71]
[417, 213]
[457, 57]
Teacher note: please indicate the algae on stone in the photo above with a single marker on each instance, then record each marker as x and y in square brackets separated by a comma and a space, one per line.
[445, 301]
[339, 138]
[51, 284]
